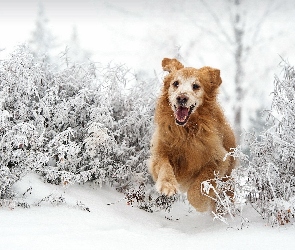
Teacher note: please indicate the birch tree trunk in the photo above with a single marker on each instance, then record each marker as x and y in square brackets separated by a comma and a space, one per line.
[239, 69]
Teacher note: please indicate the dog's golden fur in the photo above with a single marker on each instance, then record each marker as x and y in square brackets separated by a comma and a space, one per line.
[189, 146]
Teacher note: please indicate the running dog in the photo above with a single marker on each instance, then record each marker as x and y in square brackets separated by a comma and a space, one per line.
[192, 135]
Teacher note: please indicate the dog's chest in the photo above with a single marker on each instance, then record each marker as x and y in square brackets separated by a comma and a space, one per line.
[188, 159]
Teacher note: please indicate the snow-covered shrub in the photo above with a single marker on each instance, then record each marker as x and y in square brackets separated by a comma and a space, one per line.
[20, 139]
[229, 193]
[97, 128]
[266, 177]
[80, 123]
[271, 168]
[223, 189]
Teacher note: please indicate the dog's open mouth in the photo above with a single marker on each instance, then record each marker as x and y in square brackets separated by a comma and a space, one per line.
[182, 114]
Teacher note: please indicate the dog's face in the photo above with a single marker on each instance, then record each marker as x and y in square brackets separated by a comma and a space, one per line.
[185, 95]
[188, 88]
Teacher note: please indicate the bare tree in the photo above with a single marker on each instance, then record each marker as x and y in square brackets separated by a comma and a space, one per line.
[239, 38]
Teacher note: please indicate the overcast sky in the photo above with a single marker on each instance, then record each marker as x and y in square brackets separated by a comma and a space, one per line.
[97, 19]
[100, 24]
[17, 18]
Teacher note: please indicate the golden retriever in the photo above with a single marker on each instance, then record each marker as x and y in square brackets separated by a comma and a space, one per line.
[192, 135]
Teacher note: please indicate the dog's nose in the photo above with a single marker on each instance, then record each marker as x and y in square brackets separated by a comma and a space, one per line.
[182, 100]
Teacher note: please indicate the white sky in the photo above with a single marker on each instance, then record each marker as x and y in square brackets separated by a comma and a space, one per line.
[17, 19]
[119, 29]
[111, 30]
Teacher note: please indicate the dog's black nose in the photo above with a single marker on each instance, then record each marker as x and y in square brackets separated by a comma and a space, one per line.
[182, 100]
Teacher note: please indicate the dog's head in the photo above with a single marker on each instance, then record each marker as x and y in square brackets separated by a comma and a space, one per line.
[189, 88]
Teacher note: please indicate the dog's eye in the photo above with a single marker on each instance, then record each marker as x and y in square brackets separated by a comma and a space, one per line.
[196, 86]
[176, 84]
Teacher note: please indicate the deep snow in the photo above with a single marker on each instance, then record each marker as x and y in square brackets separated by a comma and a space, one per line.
[112, 224]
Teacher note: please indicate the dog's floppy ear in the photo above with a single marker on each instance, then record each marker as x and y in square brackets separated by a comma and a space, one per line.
[171, 64]
[214, 75]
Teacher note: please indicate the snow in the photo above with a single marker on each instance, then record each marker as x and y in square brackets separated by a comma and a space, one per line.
[112, 224]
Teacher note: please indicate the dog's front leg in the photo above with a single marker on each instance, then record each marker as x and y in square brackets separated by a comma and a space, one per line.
[164, 177]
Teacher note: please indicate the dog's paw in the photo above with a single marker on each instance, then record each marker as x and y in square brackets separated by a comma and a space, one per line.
[168, 188]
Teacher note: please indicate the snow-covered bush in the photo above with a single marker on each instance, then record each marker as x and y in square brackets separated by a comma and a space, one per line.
[20, 139]
[223, 190]
[229, 192]
[75, 124]
[266, 177]
[271, 168]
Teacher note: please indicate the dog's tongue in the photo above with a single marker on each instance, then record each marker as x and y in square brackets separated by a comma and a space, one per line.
[181, 114]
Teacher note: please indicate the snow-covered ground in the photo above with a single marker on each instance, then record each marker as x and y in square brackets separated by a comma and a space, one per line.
[112, 224]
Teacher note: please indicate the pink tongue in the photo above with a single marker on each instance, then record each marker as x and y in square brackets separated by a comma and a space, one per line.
[181, 114]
